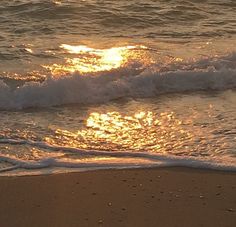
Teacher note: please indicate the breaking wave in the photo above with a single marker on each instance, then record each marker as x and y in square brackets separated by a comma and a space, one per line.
[204, 75]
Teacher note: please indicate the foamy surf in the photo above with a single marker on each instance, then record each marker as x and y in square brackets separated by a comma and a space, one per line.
[194, 131]
[110, 160]
[214, 74]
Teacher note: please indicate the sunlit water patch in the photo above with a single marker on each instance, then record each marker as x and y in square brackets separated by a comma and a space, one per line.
[90, 60]
[184, 130]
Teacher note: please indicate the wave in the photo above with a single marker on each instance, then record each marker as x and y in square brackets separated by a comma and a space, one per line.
[204, 75]
[158, 161]
[130, 159]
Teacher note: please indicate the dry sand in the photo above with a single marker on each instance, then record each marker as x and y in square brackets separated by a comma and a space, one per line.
[165, 197]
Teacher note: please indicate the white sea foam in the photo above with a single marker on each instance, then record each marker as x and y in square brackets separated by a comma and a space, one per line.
[130, 159]
[204, 75]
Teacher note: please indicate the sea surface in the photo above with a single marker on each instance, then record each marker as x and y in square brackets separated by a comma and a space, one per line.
[99, 84]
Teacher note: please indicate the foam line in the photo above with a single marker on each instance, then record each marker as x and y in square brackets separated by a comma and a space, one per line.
[7, 169]
[153, 159]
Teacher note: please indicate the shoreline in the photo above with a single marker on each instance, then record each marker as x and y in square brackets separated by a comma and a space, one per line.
[163, 196]
[65, 171]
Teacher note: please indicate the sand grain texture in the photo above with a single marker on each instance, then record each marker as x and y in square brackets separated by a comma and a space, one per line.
[165, 197]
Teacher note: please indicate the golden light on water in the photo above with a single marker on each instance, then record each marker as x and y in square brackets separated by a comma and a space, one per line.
[85, 59]
[141, 131]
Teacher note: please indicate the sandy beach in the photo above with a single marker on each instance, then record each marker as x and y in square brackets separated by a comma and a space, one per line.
[139, 197]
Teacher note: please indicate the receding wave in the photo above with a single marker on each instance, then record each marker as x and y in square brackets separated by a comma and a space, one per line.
[204, 75]
[112, 159]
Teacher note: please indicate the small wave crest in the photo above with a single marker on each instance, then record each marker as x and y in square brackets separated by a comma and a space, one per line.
[204, 75]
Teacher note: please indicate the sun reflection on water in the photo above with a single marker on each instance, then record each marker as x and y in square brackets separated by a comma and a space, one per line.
[89, 60]
[114, 131]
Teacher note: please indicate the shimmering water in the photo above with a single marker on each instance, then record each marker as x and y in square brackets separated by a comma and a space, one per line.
[88, 84]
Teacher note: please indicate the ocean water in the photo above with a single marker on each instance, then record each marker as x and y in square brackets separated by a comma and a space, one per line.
[89, 84]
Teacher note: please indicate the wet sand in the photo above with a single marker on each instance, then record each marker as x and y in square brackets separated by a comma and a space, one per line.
[165, 197]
